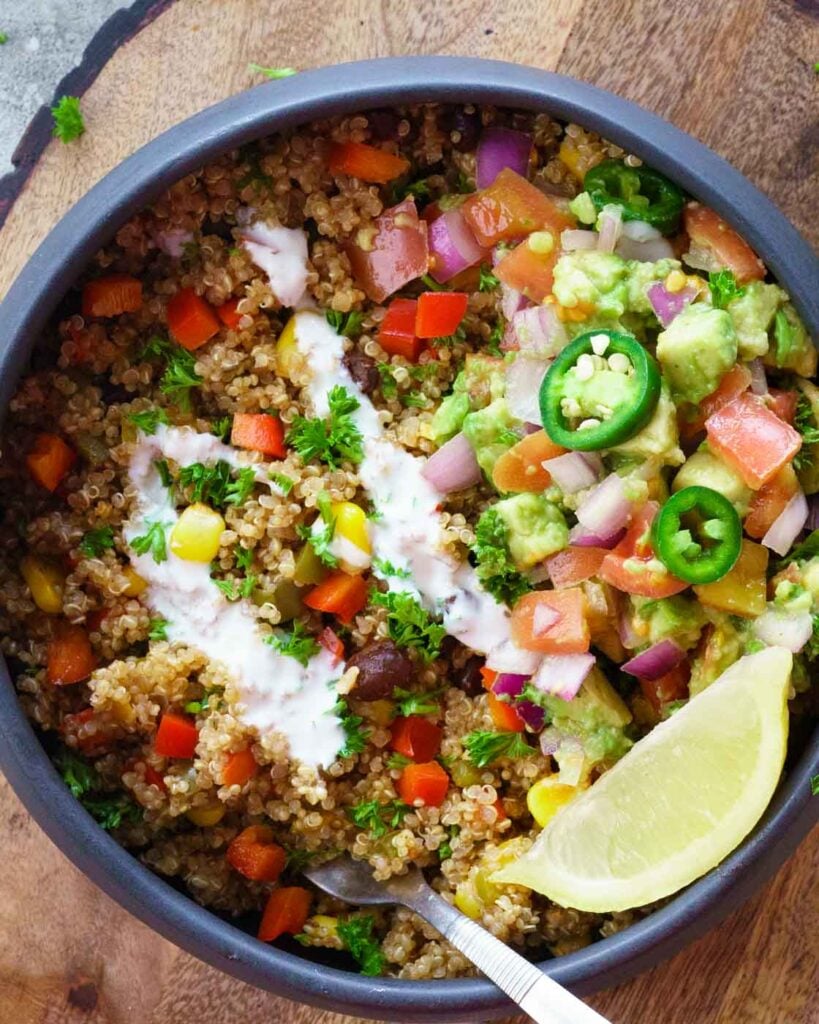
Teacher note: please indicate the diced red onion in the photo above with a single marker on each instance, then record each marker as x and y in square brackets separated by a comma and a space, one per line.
[511, 301]
[523, 379]
[779, 628]
[574, 239]
[510, 684]
[610, 223]
[640, 231]
[452, 246]
[759, 382]
[499, 148]
[580, 537]
[668, 305]
[606, 509]
[543, 619]
[645, 252]
[532, 714]
[508, 657]
[656, 661]
[453, 467]
[173, 241]
[550, 740]
[563, 674]
[571, 472]
[625, 630]
[539, 331]
[788, 525]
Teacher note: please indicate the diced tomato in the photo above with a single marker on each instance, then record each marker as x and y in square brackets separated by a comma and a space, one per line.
[510, 208]
[568, 634]
[154, 778]
[176, 736]
[439, 314]
[672, 686]
[632, 566]
[395, 255]
[111, 295]
[427, 783]
[258, 432]
[50, 460]
[229, 314]
[339, 594]
[529, 271]
[396, 335]
[416, 737]
[488, 677]
[520, 468]
[70, 657]
[239, 768]
[742, 591]
[367, 163]
[573, 565]
[500, 810]
[286, 911]
[769, 501]
[191, 320]
[783, 403]
[707, 230]
[254, 854]
[331, 642]
[735, 381]
[504, 717]
[752, 439]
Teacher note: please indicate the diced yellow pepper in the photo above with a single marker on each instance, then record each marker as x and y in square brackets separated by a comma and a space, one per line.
[570, 155]
[351, 523]
[136, 584]
[743, 590]
[546, 798]
[204, 817]
[467, 901]
[197, 532]
[288, 358]
[46, 581]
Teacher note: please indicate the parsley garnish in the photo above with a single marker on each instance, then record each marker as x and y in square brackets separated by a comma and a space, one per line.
[214, 484]
[243, 556]
[234, 593]
[158, 629]
[416, 399]
[814, 785]
[389, 385]
[164, 470]
[378, 818]
[495, 568]
[180, 374]
[297, 644]
[386, 568]
[483, 747]
[357, 935]
[724, 288]
[409, 703]
[148, 420]
[78, 775]
[416, 189]
[68, 122]
[487, 282]
[493, 345]
[445, 849]
[297, 860]
[398, 761]
[354, 731]
[272, 73]
[286, 483]
[94, 542]
[802, 552]
[409, 625]
[464, 184]
[450, 339]
[348, 325]
[221, 427]
[109, 810]
[320, 540]
[805, 423]
[331, 440]
[152, 540]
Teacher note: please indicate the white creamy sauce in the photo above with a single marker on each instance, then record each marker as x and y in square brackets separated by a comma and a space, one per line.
[282, 254]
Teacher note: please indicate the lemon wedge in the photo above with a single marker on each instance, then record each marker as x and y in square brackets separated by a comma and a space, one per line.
[676, 804]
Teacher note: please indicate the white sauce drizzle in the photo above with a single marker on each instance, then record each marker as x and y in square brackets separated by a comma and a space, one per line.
[282, 255]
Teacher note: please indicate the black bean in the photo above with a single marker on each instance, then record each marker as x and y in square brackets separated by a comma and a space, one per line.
[381, 667]
[468, 676]
[363, 370]
[384, 125]
[464, 127]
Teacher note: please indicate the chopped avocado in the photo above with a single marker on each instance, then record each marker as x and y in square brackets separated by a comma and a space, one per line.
[807, 464]
[678, 618]
[791, 348]
[659, 438]
[704, 469]
[582, 206]
[596, 280]
[640, 276]
[479, 383]
[597, 716]
[490, 433]
[536, 528]
[810, 578]
[753, 313]
[725, 644]
[696, 350]
[449, 416]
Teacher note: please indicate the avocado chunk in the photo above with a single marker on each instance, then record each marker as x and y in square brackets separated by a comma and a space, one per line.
[490, 433]
[449, 416]
[792, 348]
[752, 314]
[725, 644]
[696, 350]
[479, 383]
[659, 438]
[704, 469]
[677, 618]
[592, 279]
[536, 528]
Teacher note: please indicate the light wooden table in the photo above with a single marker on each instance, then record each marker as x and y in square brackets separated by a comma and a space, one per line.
[738, 75]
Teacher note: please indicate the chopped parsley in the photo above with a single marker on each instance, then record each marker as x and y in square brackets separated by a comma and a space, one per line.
[418, 190]
[234, 592]
[179, 375]
[409, 624]
[243, 556]
[386, 568]
[357, 935]
[68, 122]
[398, 761]
[409, 703]
[354, 730]
[487, 282]
[298, 644]
[378, 818]
[78, 774]
[805, 423]
[320, 540]
[389, 385]
[348, 325]
[272, 73]
[450, 339]
[495, 568]
[330, 440]
[221, 427]
[493, 345]
[464, 184]
[724, 288]
[148, 420]
[109, 810]
[158, 629]
[152, 540]
[430, 282]
[94, 542]
[214, 485]
[483, 747]
[286, 483]
[164, 470]
[814, 785]
[445, 849]
[414, 399]
[297, 860]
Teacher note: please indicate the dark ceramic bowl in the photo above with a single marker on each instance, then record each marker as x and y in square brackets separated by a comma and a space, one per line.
[53, 269]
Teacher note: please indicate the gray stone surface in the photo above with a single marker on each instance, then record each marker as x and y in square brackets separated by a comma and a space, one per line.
[46, 39]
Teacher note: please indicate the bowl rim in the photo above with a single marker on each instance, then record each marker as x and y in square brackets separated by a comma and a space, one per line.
[50, 272]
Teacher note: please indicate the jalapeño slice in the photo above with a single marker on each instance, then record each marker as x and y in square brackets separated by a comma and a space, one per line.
[697, 535]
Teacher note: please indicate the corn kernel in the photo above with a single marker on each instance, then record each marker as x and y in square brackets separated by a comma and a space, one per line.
[45, 581]
[546, 798]
[204, 817]
[467, 902]
[136, 584]
[325, 925]
[197, 532]
[570, 155]
[288, 358]
[676, 281]
[541, 242]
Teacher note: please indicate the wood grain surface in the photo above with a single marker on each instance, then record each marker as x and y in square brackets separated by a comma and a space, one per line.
[739, 75]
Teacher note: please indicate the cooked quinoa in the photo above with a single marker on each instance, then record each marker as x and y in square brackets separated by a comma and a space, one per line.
[100, 384]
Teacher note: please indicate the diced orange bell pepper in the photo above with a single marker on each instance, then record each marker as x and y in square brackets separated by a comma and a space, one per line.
[229, 314]
[573, 565]
[176, 736]
[416, 737]
[568, 635]
[340, 594]
[394, 255]
[488, 677]
[504, 716]
[367, 163]
[632, 567]
[707, 230]
[752, 438]
[239, 768]
[439, 314]
[769, 501]
[254, 854]
[426, 782]
[743, 590]
[520, 468]
[286, 911]
[111, 295]
[510, 208]
[396, 335]
[70, 657]
[50, 460]
[783, 403]
[529, 271]
[258, 432]
[191, 320]
[332, 642]
[735, 381]
[672, 686]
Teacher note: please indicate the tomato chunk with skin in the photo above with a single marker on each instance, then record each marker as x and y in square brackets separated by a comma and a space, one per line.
[254, 854]
[258, 432]
[752, 438]
[735, 381]
[394, 255]
[520, 468]
[396, 335]
[510, 208]
[783, 403]
[710, 233]
[672, 686]
[632, 566]
[285, 913]
[769, 502]
[534, 627]
[176, 736]
[528, 271]
[573, 565]
[111, 295]
[439, 314]
[416, 738]
[70, 657]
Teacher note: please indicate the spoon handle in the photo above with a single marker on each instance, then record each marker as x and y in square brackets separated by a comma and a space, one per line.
[536, 993]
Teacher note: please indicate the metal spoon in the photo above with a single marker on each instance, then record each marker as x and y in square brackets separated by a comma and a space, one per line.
[534, 992]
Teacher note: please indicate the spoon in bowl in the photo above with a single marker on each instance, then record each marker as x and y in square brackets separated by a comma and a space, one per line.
[535, 993]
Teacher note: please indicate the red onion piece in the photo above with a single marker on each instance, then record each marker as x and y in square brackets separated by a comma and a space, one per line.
[571, 472]
[452, 246]
[779, 628]
[625, 630]
[656, 661]
[532, 714]
[453, 467]
[580, 537]
[511, 301]
[645, 252]
[543, 619]
[539, 331]
[573, 239]
[523, 379]
[788, 525]
[173, 241]
[610, 222]
[640, 231]
[668, 305]
[563, 674]
[507, 657]
[759, 382]
[510, 684]
[500, 148]
[606, 509]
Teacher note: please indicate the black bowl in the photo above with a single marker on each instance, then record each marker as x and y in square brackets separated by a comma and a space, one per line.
[54, 268]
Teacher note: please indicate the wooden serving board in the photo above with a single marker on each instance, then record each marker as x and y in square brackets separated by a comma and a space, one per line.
[739, 75]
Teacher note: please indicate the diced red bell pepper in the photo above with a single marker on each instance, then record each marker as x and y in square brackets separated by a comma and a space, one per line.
[439, 314]
[529, 271]
[50, 460]
[504, 717]
[396, 335]
[394, 255]
[707, 230]
[286, 911]
[331, 642]
[340, 594]
[510, 208]
[769, 502]
[569, 634]
[416, 737]
[258, 432]
[427, 783]
[367, 163]
[672, 686]
[191, 320]
[111, 295]
[70, 657]
[573, 565]
[752, 438]
[240, 767]
[254, 854]
[176, 736]
[229, 314]
[632, 566]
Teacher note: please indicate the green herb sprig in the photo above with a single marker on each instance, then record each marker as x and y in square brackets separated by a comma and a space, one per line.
[332, 440]
[483, 747]
[409, 624]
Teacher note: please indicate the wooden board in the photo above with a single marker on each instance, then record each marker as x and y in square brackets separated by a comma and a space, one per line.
[739, 75]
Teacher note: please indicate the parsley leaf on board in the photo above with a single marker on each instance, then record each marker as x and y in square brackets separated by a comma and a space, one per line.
[148, 420]
[330, 440]
[376, 817]
[298, 643]
[272, 73]
[495, 568]
[724, 288]
[357, 935]
[94, 542]
[409, 624]
[483, 747]
[152, 540]
[348, 325]
[68, 122]
[408, 703]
